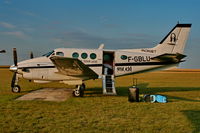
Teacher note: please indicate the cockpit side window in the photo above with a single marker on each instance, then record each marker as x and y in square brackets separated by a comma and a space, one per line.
[59, 53]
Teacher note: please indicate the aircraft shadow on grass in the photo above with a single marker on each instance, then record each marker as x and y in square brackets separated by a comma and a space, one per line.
[143, 89]
[194, 117]
[182, 99]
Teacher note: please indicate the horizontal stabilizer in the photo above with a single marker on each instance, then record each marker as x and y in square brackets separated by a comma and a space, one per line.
[170, 57]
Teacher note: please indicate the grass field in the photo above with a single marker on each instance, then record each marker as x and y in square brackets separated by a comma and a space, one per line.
[98, 113]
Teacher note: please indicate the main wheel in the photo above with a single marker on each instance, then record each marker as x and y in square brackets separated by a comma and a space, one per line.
[79, 91]
[16, 89]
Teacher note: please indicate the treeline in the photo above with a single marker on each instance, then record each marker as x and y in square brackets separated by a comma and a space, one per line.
[4, 67]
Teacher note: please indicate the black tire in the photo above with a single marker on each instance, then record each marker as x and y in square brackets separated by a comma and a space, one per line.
[133, 95]
[82, 90]
[76, 93]
[83, 86]
[16, 89]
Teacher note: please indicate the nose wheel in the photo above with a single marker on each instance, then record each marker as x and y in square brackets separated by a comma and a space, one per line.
[16, 89]
[79, 91]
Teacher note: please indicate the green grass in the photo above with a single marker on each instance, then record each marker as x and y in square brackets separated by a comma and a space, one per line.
[98, 113]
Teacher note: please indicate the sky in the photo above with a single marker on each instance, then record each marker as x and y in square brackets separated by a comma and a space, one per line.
[43, 25]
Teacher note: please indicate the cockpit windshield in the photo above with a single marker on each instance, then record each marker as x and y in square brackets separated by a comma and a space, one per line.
[49, 53]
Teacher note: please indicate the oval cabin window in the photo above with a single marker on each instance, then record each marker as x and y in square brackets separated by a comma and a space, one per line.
[84, 55]
[123, 57]
[93, 56]
[75, 55]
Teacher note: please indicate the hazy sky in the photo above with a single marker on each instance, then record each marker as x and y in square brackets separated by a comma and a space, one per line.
[42, 25]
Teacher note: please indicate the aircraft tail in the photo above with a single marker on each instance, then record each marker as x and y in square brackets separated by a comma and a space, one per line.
[175, 40]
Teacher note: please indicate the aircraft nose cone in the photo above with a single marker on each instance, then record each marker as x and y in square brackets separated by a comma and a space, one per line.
[13, 68]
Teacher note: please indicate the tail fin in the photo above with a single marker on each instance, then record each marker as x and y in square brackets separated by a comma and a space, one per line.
[175, 40]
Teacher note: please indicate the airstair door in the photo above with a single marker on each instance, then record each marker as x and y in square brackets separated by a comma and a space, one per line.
[108, 80]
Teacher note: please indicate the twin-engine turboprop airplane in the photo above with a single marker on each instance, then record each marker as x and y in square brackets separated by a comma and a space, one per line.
[73, 66]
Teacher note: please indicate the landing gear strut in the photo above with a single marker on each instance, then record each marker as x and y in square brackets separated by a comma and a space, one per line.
[14, 84]
[79, 91]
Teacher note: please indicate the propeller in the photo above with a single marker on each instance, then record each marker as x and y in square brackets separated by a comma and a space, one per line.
[31, 55]
[15, 56]
[15, 65]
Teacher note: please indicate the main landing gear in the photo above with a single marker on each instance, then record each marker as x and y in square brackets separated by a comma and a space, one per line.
[79, 91]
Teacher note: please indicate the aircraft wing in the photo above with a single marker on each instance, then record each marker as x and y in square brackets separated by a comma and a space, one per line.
[169, 57]
[73, 67]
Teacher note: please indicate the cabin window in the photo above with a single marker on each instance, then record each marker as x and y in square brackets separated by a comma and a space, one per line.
[93, 56]
[59, 53]
[75, 55]
[123, 57]
[84, 55]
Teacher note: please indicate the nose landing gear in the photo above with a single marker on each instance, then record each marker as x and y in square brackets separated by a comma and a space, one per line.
[14, 84]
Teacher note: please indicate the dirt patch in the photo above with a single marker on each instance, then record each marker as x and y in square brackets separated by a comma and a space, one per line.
[48, 94]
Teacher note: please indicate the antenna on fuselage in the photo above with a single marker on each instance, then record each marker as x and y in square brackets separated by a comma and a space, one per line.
[101, 46]
[31, 55]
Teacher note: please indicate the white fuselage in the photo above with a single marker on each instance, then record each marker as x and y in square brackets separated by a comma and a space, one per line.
[122, 62]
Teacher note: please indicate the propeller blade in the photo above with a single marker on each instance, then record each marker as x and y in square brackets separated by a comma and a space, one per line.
[13, 80]
[31, 55]
[15, 56]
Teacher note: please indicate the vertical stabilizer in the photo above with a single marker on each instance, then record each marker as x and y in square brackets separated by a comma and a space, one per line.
[175, 40]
